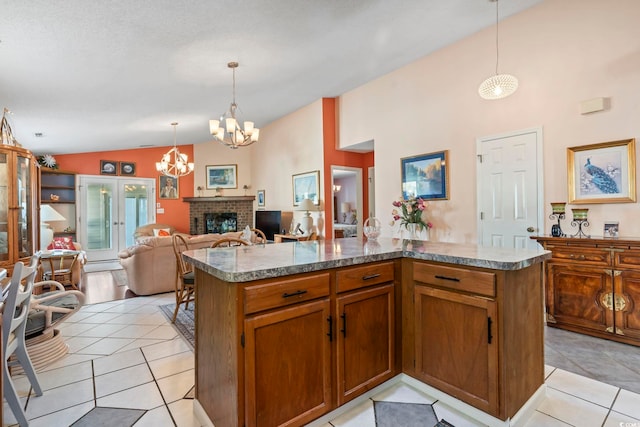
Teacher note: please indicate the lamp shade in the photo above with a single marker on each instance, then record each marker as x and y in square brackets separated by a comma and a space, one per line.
[306, 205]
[345, 207]
[47, 213]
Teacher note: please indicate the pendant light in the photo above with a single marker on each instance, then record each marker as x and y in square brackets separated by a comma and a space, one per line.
[499, 85]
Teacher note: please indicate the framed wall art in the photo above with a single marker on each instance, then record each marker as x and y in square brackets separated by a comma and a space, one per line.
[426, 176]
[261, 198]
[222, 176]
[306, 186]
[108, 167]
[602, 173]
[127, 168]
[168, 186]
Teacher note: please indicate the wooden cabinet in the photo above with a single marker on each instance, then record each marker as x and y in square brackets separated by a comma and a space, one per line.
[365, 317]
[593, 287]
[58, 188]
[286, 351]
[18, 206]
[475, 334]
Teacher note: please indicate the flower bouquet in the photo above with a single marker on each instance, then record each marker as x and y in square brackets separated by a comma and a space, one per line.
[409, 212]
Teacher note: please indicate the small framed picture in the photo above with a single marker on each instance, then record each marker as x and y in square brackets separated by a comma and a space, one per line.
[108, 167]
[261, 198]
[168, 187]
[425, 176]
[306, 186]
[611, 229]
[127, 169]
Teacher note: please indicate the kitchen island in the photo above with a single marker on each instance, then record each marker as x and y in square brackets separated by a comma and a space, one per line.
[287, 333]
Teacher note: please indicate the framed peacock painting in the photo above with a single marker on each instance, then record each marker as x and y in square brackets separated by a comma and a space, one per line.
[602, 173]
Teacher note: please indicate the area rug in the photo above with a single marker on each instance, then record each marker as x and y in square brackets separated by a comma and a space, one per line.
[398, 414]
[185, 321]
[120, 277]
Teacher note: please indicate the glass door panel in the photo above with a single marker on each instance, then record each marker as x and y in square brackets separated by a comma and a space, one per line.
[24, 196]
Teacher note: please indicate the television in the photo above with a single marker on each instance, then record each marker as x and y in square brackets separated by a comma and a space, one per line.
[268, 222]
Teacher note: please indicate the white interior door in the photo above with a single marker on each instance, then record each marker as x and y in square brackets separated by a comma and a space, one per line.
[110, 210]
[510, 189]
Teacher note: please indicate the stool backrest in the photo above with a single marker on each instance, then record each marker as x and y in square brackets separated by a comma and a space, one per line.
[16, 301]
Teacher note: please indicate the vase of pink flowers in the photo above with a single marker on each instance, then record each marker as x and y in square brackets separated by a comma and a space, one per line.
[411, 213]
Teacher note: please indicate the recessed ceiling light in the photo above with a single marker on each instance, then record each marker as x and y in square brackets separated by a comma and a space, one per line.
[146, 145]
[39, 134]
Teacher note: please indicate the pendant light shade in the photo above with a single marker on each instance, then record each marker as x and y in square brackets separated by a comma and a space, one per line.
[499, 85]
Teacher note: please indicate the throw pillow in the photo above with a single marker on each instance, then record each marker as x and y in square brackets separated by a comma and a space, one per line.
[62, 243]
[161, 232]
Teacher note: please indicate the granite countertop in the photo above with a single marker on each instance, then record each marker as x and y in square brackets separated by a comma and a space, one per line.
[247, 263]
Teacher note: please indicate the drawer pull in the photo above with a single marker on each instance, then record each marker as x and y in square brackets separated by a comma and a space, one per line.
[293, 294]
[453, 279]
[371, 276]
[579, 257]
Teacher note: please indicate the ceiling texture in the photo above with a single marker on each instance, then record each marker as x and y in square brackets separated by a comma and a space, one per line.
[93, 75]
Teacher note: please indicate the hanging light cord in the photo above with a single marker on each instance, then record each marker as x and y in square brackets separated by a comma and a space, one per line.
[497, 48]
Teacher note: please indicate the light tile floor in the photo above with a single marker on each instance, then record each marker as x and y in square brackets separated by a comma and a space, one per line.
[125, 354]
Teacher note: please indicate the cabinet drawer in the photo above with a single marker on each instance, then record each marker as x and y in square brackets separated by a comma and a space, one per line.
[367, 275]
[477, 282]
[586, 255]
[629, 259]
[285, 292]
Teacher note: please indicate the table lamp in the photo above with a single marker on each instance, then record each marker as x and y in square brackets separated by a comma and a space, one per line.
[47, 213]
[307, 221]
[345, 208]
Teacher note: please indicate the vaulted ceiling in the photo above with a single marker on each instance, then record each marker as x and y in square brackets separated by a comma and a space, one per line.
[107, 75]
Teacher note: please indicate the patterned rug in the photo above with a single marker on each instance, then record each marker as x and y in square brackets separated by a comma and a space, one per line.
[185, 322]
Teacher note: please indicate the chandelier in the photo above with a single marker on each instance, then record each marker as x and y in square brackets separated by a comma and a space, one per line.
[174, 163]
[499, 85]
[227, 130]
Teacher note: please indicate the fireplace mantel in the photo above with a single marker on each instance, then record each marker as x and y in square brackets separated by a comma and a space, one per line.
[219, 199]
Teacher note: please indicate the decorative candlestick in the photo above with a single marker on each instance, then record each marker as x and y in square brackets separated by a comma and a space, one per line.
[557, 213]
[580, 219]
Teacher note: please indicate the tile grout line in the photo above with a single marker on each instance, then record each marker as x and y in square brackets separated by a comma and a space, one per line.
[155, 381]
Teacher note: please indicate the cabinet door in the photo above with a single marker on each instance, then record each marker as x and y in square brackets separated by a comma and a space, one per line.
[457, 345]
[365, 351]
[288, 365]
[627, 303]
[577, 296]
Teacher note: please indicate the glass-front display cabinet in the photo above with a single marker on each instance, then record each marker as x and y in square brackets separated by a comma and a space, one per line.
[18, 206]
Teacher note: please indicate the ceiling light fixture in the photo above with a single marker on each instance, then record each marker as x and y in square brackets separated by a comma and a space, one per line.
[499, 85]
[230, 133]
[174, 163]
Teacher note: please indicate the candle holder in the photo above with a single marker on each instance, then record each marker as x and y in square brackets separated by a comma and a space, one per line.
[580, 220]
[557, 213]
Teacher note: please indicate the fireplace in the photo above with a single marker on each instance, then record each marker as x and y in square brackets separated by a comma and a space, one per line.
[242, 206]
[222, 222]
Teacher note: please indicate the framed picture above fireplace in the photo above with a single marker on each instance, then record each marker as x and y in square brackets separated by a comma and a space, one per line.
[222, 176]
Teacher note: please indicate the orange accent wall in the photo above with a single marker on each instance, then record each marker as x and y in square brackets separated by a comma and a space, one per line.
[335, 157]
[176, 212]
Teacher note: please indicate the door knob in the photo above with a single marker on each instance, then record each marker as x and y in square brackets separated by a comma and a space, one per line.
[530, 229]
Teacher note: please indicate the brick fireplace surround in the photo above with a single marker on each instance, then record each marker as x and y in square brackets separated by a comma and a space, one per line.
[198, 206]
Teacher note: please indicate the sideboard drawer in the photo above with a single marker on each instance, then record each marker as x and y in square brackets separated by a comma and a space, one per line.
[627, 258]
[362, 276]
[460, 279]
[582, 254]
[285, 292]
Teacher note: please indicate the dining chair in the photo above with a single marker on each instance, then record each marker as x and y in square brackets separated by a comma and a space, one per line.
[14, 319]
[185, 280]
[229, 241]
[259, 236]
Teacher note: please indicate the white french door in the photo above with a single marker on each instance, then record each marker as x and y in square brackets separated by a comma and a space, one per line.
[510, 189]
[110, 209]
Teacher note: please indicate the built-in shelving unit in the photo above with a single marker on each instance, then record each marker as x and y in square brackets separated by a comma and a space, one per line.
[58, 189]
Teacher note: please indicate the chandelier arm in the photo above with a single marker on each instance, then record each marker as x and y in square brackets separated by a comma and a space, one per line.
[497, 44]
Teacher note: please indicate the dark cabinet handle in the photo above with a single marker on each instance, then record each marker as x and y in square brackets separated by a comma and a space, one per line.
[330, 333]
[370, 276]
[453, 279]
[489, 336]
[344, 325]
[293, 294]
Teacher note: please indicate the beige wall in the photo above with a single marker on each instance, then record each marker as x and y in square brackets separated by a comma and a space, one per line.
[563, 52]
[288, 146]
[213, 153]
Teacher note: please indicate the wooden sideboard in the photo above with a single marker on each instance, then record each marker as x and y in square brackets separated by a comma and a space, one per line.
[592, 286]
